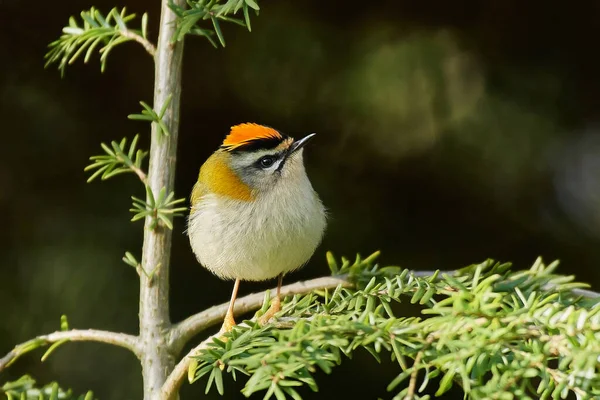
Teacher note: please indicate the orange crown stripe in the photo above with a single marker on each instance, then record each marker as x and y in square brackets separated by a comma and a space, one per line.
[244, 133]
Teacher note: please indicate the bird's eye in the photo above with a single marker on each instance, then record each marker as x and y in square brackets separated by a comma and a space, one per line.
[266, 161]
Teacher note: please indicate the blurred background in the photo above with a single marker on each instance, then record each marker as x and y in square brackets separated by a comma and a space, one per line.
[448, 133]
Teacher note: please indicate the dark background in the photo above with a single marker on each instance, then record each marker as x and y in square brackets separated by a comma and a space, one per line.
[448, 132]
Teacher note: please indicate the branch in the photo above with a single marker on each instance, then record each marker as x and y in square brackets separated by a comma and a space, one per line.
[126, 341]
[186, 329]
[412, 384]
[276, 359]
[139, 172]
[150, 48]
[182, 332]
[588, 294]
[118, 160]
[188, 21]
[81, 38]
[170, 388]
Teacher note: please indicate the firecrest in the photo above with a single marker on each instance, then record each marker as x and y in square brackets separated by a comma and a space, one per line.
[254, 214]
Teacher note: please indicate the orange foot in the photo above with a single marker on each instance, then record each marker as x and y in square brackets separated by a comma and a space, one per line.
[275, 307]
[228, 324]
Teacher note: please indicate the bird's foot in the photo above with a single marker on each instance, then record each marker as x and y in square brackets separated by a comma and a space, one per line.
[274, 309]
[228, 324]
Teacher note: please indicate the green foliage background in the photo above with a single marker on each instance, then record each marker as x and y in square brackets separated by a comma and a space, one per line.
[448, 133]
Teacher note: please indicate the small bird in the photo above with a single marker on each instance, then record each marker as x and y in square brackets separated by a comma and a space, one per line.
[254, 214]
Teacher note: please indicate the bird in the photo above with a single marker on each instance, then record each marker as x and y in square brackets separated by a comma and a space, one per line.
[254, 214]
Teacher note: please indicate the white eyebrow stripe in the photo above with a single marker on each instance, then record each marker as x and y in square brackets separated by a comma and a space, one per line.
[276, 163]
[241, 161]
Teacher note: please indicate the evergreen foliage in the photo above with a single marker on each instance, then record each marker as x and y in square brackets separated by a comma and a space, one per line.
[161, 207]
[25, 388]
[95, 29]
[499, 334]
[202, 10]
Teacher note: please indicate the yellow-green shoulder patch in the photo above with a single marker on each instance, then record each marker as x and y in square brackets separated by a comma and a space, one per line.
[216, 177]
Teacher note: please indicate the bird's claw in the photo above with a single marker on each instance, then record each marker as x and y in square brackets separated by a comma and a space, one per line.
[274, 309]
[228, 324]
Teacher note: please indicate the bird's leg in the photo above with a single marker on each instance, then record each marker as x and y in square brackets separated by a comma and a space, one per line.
[229, 322]
[275, 304]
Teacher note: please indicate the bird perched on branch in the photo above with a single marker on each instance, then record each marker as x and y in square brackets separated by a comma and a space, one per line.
[254, 214]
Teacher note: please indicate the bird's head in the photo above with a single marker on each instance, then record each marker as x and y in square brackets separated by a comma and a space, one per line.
[253, 160]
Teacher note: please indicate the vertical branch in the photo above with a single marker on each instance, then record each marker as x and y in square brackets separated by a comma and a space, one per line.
[156, 360]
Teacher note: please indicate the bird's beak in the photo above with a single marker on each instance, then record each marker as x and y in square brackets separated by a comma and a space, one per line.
[298, 144]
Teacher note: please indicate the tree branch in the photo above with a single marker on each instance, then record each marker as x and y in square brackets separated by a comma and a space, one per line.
[588, 294]
[182, 332]
[170, 389]
[128, 342]
[144, 42]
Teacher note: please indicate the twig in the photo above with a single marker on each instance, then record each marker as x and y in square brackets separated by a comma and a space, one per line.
[170, 389]
[138, 171]
[195, 324]
[559, 376]
[412, 385]
[75, 335]
[141, 174]
[588, 294]
[150, 48]
[182, 332]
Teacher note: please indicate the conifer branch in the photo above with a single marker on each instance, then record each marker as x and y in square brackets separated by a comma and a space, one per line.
[215, 11]
[160, 208]
[126, 341]
[96, 29]
[170, 389]
[480, 317]
[148, 114]
[118, 160]
[183, 331]
[150, 48]
[26, 388]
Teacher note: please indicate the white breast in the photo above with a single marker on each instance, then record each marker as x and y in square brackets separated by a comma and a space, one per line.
[276, 233]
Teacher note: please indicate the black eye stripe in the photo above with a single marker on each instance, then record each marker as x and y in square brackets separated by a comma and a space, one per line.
[256, 144]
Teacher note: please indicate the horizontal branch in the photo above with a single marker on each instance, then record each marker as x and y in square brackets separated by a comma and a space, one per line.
[128, 342]
[182, 332]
